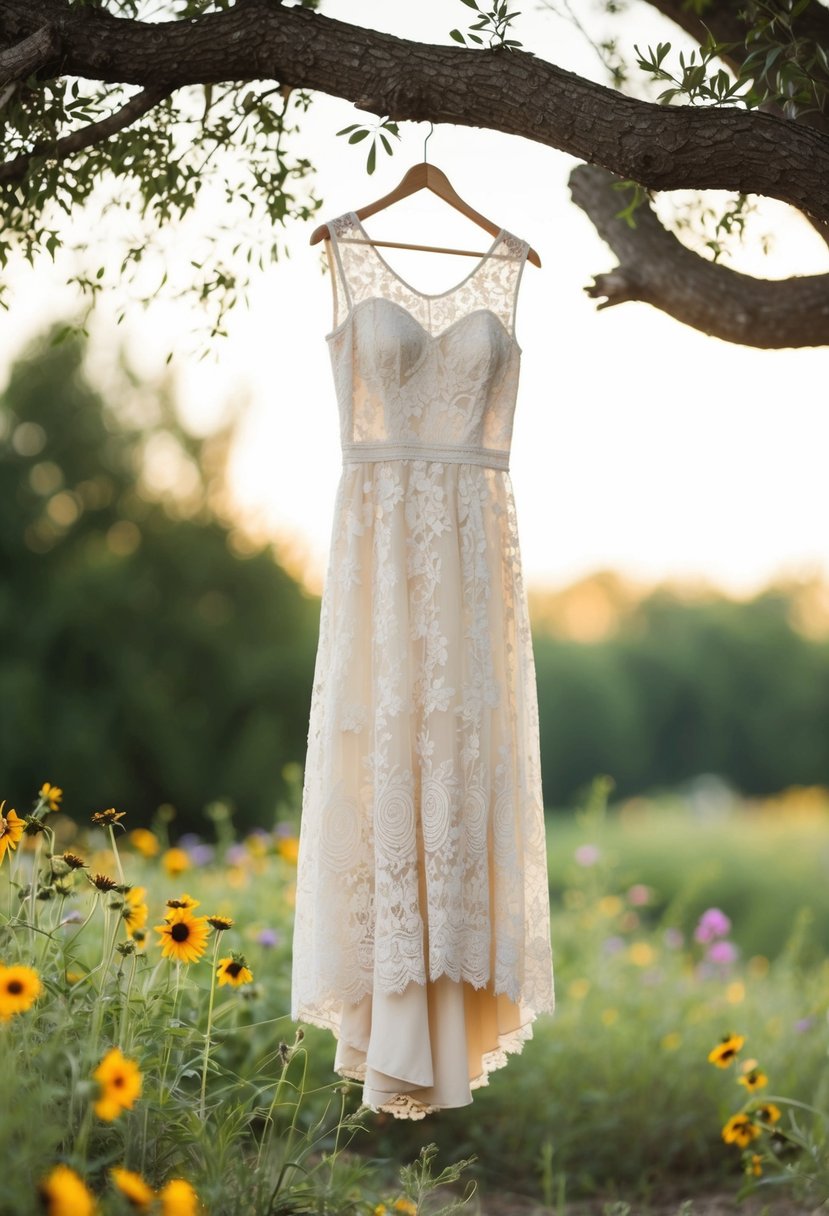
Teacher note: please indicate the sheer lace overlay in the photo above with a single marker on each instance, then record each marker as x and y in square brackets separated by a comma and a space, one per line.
[422, 845]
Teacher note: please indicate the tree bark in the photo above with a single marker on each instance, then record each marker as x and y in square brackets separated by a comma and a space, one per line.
[656, 268]
[662, 147]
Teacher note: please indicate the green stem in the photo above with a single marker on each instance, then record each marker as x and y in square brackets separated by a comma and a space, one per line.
[33, 888]
[77, 934]
[98, 1015]
[117, 855]
[267, 1131]
[209, 1022]
[169, 1037]
[125, 1009]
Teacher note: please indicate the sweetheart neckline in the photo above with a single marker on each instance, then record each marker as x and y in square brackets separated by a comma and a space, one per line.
[437, 295]
[433, 337]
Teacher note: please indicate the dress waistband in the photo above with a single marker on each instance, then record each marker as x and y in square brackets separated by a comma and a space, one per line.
[453, 453]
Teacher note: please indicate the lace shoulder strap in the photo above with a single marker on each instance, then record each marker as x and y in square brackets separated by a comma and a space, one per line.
[348, 263]
[500, 279]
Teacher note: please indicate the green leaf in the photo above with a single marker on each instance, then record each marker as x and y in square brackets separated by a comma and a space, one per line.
[457, 35]
[345, 130]
[358, 135]
[470, 4]
[372, 158]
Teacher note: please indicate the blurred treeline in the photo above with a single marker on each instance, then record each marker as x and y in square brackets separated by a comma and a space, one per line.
[152, 654]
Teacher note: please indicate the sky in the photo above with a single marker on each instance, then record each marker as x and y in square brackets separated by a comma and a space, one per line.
[639, 444]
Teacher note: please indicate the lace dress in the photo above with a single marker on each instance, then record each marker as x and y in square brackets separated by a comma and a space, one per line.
[422, 918]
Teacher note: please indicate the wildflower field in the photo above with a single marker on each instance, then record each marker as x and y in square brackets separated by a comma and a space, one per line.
[150, 1064]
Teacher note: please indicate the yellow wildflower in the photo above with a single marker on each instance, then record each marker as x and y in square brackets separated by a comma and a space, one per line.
[288, 847]
[641, 953]
[63, 1193]
[753, 1078]
[724, 1052]
[175, 861]
[135, 911]
[11, 829]
[234, 971]
[145, 842]
[183, 936]
[184, 901]
[105, 818]
[179, 1199]
[19, 989]
[740, 1130]
[133, 1187]
[120, 1084]
[50, 794]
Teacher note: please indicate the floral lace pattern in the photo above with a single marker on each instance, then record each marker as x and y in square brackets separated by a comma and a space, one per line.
[422, 846]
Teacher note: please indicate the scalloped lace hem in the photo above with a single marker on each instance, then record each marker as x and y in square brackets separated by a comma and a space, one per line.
[405, 1105]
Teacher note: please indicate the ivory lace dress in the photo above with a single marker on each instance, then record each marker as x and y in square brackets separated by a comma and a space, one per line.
[422, 918]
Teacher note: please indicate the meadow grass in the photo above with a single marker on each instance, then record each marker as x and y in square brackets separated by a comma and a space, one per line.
[679, 1022]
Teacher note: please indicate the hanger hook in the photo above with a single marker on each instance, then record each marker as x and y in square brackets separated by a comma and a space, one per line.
[426, 140]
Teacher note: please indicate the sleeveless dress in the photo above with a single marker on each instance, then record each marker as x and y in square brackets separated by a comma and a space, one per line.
[422, 915]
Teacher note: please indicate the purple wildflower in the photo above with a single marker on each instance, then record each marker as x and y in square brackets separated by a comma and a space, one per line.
[722, 952]
[713, 923]
[587, 854]
[201, 854]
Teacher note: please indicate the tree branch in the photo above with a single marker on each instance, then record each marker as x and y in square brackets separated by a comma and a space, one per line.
[27, 56]
[658, 269]
[664, 148]
[85, 137]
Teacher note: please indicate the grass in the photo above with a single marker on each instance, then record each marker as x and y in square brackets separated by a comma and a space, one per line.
[613, 1101]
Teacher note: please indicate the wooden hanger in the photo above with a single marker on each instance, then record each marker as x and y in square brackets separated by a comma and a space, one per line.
[419, 177]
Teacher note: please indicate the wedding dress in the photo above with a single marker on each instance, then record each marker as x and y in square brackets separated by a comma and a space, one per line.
[422, 918]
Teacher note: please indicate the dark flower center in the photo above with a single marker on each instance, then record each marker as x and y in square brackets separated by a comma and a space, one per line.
[118, 1080]
[233, 969]
[180, 932]
[14, 987]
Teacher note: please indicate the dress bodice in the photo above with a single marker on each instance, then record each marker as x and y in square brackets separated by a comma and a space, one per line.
[414, 371]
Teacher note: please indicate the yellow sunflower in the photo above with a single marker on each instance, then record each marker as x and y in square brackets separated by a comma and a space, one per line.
[234, 971]
[120, 1083]
[724, 1052]
[135, 911]
[19, 989]
[145, 842]
[184, 901]
[176, 861]
[179, 1199]
[11, 829]
[183, 936]
[740, 1130]
[106, 818]
[768, 1112]
[753, 1078]
[133, 1187]
[64, 1193]
[288, 848]
[51, 794]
